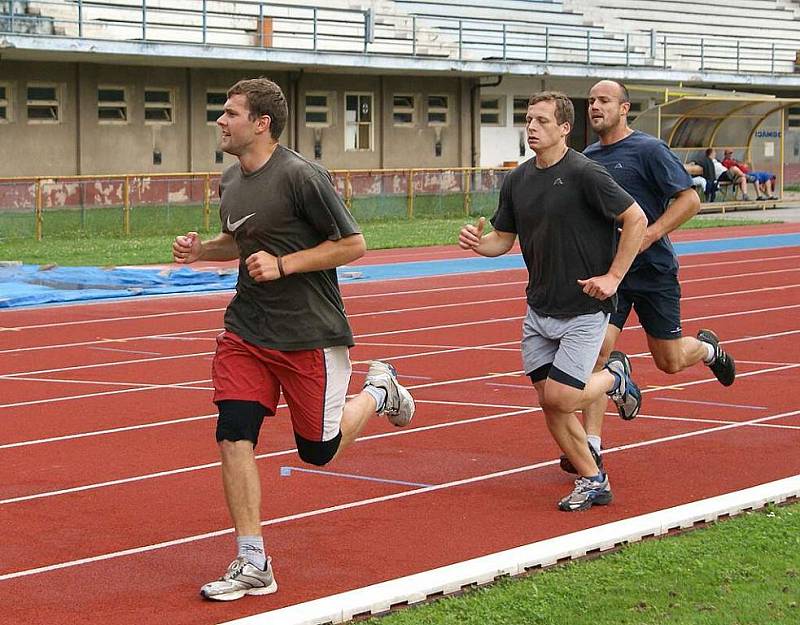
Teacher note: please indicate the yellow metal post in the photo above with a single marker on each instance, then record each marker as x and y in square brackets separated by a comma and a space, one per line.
[38, 217]
[126, 207]
[410, 195]
[207, 202]
[348, 192]
[467, 192]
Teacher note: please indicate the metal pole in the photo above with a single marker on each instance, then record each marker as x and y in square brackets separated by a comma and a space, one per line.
[38, 208]
[144, 20]
[413, 35]
[315, 29]
[702, 53]
[410, 195]
[504, 41]
[205, 21]
[627, 49]
[772, 67]
[126, 206]
[546, 44]
[460, 38]
[588, 46]
[207, 202]
[80, 18]
[261, 25]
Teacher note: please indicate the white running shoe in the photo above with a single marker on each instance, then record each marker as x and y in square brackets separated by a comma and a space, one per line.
[399, 406]
[241, 578]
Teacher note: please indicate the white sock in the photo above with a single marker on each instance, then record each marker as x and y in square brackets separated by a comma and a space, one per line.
[594, 441]
[378, 394]
[710, 353]
[252, 548]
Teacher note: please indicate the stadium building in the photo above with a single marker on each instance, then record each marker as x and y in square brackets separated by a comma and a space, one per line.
[114, 86]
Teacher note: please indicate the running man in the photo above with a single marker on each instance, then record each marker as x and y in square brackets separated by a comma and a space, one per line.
[647, 169]
[565, 209]
[285, 329]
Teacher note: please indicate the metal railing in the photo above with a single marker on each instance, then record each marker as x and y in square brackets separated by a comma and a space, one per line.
[253, 24]
[157, 203]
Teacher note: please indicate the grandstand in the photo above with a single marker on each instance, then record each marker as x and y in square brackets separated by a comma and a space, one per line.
[62, 57]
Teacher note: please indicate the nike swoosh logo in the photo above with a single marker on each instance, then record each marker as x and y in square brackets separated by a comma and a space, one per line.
[232, 226]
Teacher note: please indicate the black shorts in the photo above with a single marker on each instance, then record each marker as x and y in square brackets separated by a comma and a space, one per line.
[656, 298]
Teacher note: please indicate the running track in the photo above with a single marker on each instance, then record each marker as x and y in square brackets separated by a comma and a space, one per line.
[110, 499]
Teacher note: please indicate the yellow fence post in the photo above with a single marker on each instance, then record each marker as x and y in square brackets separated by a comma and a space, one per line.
[126, 207]
[348, 191]
[207, 202]
[410, 195]
[38, 217]
[467, 192]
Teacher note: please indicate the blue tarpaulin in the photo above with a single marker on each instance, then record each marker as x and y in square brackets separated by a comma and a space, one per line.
[33, 285]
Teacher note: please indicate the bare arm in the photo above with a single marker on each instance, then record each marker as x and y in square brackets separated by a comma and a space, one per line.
[496, 243]
[190, 248]
[263, 266]
[683, 207]
[634, 224]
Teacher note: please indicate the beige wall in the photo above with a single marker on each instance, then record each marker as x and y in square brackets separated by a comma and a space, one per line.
[82, 144]
[30, 148]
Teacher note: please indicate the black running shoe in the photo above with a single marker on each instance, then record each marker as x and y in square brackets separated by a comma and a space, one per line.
[567, 466]
[723, 365]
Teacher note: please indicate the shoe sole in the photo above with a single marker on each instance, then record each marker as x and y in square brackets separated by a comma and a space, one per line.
[233, 596]
[600, 500]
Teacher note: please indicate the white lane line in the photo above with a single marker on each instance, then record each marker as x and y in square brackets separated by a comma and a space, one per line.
[355, 316]
[126, 351]
[718, 404]
[272, 454]
[411, 430]
[374, 500]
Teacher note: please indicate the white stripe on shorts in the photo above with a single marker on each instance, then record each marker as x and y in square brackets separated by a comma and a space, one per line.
[338, 370]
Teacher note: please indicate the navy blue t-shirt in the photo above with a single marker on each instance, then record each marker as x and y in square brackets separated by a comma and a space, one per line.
[647, 169]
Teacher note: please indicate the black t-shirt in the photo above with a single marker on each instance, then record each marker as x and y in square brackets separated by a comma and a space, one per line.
[564, 216]
[286, 206]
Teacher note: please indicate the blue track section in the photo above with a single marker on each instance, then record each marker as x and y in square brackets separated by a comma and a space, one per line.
[31, 285]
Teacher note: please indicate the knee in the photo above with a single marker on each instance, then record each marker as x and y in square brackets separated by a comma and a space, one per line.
[318, 453]
[556, 402]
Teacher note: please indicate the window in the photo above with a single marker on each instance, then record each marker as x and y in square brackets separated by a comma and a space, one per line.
[437, 110]
[358, 121]
[493, 111]
[215, 104]
[318, 112]
[793, 116]
[158, 106]
[520, 111]
[5, 109]
[43, 104]
[111, 105]
[403, 110]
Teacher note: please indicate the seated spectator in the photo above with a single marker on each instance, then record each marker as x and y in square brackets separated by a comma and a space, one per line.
[698, 181]
[763, 181]
[715, 173]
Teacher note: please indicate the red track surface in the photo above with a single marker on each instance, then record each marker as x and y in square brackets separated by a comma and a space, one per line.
[110, 496]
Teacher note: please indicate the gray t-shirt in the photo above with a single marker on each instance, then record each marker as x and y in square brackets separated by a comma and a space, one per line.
[286, 206]
[564, 216]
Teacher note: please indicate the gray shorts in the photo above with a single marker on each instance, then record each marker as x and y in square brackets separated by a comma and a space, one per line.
[563, 349]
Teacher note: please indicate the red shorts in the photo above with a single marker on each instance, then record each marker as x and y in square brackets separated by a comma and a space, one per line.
[314, 382]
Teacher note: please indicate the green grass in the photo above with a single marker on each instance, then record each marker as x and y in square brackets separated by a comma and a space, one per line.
[741, 571]
[101, 246]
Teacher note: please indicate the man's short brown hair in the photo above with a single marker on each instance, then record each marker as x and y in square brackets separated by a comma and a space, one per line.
[264, 97]
[565, 111]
